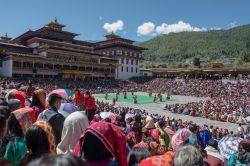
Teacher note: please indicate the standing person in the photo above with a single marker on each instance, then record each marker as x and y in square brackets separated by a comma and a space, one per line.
[155, 98]
[74, 125]
[168, 95]
[52, 115]
[106, 96]
[30, 90]
[90, 106]
[135, 99]
[204, 136]
[79, 99]
[125, 95]
[240, 130]
[160, 96]
[116, 96]
[39, 101]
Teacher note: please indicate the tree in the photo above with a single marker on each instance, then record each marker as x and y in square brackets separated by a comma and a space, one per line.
[245, 56]
[196, 62]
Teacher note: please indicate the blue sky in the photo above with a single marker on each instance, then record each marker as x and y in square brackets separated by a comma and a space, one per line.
[153, 17]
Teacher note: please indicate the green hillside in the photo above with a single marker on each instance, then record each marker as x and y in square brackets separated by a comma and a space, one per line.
[174, 49]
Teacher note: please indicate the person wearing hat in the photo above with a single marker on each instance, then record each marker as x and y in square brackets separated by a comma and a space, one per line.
[90, 105]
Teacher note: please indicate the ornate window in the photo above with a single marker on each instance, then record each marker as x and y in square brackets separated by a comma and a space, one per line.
[137, 62]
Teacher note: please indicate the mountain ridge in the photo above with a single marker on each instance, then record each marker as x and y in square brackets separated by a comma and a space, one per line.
[175, 49]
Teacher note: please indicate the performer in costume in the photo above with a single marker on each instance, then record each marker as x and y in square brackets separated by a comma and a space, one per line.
[155, 98]
[160, 96]
[135, 99]
[106, 96]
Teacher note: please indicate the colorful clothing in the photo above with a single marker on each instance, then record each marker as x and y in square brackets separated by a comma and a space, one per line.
[142, 144]
[111, 136]
[204, 137]
[213, 157]
[20, 96]
[49, 134]
[166, 159]
[233, 160]
[25, 117]
[41, 95]
[55, 119]
[79, 98]
[90, 103]
[160, 136]
[179, 139]
[15, 150]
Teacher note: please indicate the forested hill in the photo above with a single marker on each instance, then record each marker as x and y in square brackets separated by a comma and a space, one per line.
[215, 45]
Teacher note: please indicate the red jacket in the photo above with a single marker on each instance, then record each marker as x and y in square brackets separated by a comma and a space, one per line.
[79, 98]
[90, 103]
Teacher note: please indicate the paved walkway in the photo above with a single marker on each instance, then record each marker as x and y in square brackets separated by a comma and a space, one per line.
[154, 108]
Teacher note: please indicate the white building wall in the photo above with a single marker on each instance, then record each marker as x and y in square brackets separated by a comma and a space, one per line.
[7, 68]
[124, 75]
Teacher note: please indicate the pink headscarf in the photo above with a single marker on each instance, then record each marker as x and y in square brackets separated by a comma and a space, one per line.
[180, 138]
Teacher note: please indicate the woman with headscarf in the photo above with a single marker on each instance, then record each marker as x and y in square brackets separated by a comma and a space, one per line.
[74, 125]
[40, 140]
[161, 137]
[102, 144]
[135, 135]
[14, 145]
[148, 124]
[242, 157]
[38, 102]
[180, 138]
[15, 94]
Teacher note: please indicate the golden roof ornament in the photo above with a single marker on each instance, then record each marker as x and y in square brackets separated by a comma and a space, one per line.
[55, 25]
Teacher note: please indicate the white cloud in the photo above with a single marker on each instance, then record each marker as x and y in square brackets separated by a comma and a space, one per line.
[175, 28]
[151, 29]
[146, 28]
[232, 24]
[100, 18]
[114, 27]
